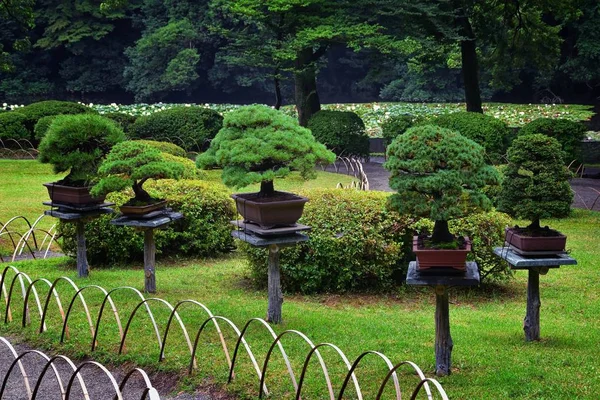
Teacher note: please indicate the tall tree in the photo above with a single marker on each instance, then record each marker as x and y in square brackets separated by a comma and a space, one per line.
[16, 17]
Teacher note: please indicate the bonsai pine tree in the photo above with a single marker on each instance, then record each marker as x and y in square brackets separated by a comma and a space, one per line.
[438, 174]
[78, 144]
[131, 164]
[259, 144]
[536, 182]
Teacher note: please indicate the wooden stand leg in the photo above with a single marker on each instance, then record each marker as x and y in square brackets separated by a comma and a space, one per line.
[275, 294]
[531, 324]
[82, 263]
[149, 261]
[443, 340]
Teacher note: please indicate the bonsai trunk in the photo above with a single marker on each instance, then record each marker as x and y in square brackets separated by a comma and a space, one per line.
[535, 225]
[266, 189]
[441, 233]
[140, 193]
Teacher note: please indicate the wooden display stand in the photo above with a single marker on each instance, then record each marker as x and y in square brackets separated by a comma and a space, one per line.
[79, 215]
[273, 239]
[148, 223]
[536, 265]
[441, 279]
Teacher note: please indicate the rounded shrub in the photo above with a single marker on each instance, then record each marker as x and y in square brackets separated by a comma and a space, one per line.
[568, 133]
[494, 135]
[125, 120]
[78, 143]
[34, 111]
[204, 230]
[343, 132]
[396, 125]
[165, 147]
[41, 127]
[12, 126]
[188, 127]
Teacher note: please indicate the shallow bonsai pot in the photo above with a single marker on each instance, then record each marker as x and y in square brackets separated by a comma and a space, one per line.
[438, 258]
[282, 209]
[71, 194]
[136, 211]
[554, 243]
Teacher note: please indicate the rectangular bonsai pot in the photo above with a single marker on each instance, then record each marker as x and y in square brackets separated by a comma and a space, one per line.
[71, 194]
[142, 210]
[436, 258]
[535, 243]
[283, 209]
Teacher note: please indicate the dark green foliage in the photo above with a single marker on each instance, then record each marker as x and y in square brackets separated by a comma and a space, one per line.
[396, 125]
[78, 143]
[131, 164]
[41, 127]
[33, 112]
[125, 120]
[204, 230]
[259, 144]
[188, 127]
[355, 244]
[490, 132]
[536, 182]
[341, 131]
[568, 133]
[165, 147]
[12, 126]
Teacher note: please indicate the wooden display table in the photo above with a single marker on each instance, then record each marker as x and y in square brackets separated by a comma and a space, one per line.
[274, 239]
[536, 265]
[148, 223]
[79, 215]
[441, 279]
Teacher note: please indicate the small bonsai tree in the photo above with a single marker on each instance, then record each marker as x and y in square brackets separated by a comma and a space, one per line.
[535, 181]
[438, 174]
[259, 144]
[131, 164]
[569, 134]
[78, 144]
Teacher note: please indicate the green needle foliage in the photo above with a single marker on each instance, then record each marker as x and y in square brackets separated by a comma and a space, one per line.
[258, 144]
[131, 164]
[438, 174]
[78, 143]
[536, 182]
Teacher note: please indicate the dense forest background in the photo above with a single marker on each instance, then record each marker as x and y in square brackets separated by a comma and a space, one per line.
[241, 51]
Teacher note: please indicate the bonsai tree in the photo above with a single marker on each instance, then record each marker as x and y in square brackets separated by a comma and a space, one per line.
[536, 182]
[259, 144]
[131, 164]
[78, 144]
[438, 174]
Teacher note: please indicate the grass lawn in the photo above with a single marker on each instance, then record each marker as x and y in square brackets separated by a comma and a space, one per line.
[490, 358]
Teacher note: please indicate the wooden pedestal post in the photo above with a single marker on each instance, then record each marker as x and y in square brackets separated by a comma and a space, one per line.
[83, 269]
[531, 323]
[443, 340]
[274, 289]
[149, 261]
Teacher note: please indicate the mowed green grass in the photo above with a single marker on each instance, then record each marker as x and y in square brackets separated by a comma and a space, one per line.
[491, 360]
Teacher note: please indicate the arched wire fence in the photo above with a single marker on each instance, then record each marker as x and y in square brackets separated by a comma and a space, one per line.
[34, 241]
[232, 349]
[350, 166]
[18, 149]
[33, 367]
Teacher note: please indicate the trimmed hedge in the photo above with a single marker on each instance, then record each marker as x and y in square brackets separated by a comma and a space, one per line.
[204, 230]
[34, 111]
[42, 126]
[12, 126]
[343, 132]
[188, 127]
[493, 134]
[125, 120]
[569, 134]
[396, 125]
[165, 147]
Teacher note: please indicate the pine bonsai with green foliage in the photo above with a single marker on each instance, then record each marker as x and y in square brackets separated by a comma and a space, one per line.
[569, 134]
[536, 181]
[78, 144]
[258, 144]
[131, 164]
[438, 174]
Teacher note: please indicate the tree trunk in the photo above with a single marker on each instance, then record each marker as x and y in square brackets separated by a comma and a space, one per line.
[441, 233]
[305, 78]
[140, 193]
[266, 189]
[470, 67]
[535, 225]
[277, 93]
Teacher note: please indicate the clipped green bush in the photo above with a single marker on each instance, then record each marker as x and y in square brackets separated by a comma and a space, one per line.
[125, 120]
[12, 126]
[493, 134]
[568, 133]
[165, 147]
[188, 127]
[78, 144]
[343, 132]
[204, 230]
[356, 244]
[396, 125]
[34, 111]
[41, 128]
